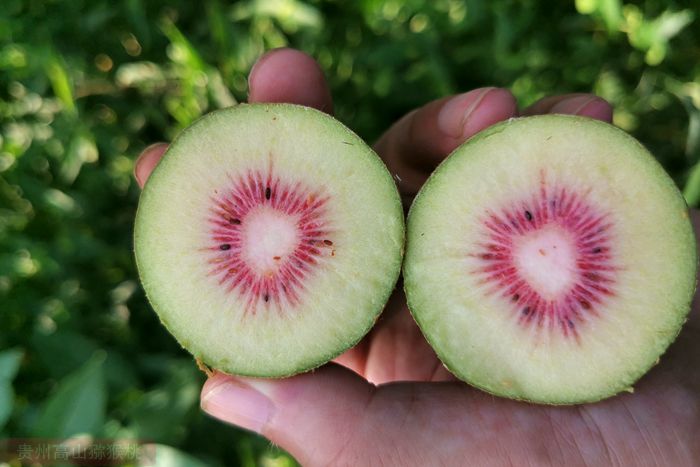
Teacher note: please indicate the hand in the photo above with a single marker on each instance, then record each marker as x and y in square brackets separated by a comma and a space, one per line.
[389, 401]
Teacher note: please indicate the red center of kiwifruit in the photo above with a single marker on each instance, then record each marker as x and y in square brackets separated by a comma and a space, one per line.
[550, 257]
[267, 237]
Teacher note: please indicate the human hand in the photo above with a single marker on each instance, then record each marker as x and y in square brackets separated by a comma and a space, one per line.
[389, 400]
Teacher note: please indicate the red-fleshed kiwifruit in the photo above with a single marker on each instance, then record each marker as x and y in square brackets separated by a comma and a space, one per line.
[268, 239]
[550, 259]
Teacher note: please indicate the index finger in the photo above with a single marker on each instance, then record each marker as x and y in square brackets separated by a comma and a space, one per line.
[587, 105]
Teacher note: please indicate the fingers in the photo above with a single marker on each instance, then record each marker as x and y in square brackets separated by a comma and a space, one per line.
[356, 357]
[147, 161]
[288, 75]
[587, 105]
[395, 349]
[420, 140]
[399, 352]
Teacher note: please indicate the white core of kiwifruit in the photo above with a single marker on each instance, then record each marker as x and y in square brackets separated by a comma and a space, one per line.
[269, 237]
[546, 259]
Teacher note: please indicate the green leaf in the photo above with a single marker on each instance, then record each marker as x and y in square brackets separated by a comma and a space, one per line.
[61, 84]
[670, 23]
[586, 7]
[12, 56]
[611, 11]
[160, 455]
[653, 35]
[691, 191]
[82, 150]
[146, 76]
[63, 351]
[7, 399]
[161, 414]
[77, 406]
[184, 52]
[136, 13]
[291, 14]
[218, 91]
[9, 364]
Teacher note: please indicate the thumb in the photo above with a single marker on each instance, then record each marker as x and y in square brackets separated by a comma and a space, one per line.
[313, 416]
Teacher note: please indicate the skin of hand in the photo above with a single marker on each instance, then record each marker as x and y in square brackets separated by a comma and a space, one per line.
[389, 401]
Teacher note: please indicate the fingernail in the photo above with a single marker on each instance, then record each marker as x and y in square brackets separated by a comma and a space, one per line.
[597, 108]
[240, 403]
[454, 117]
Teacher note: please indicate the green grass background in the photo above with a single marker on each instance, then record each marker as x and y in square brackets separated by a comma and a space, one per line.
[86, 84]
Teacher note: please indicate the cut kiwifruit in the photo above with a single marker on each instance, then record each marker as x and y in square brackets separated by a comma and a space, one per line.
[268, 239]
[550, 259]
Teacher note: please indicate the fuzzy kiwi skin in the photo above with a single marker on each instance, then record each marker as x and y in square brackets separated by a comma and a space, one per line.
[224, 366]
[626, 385]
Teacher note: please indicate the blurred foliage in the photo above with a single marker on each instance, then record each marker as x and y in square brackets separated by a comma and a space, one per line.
[85, 85]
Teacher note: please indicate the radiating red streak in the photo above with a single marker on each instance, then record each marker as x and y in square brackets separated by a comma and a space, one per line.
[282, 288]
[595, 266]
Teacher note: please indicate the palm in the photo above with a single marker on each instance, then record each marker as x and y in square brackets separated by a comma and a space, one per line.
[663, 413]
